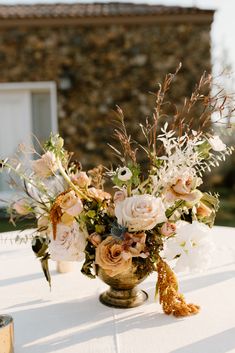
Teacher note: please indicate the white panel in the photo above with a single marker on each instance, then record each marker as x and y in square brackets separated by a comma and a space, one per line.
[15, 122]
[41, 116]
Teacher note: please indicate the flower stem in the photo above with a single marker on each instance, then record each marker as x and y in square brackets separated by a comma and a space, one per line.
[71, 184]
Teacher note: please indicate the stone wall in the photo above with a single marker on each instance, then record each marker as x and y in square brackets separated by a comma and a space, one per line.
[108, 66]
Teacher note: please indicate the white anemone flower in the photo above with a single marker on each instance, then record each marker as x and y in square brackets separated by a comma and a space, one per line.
[124, 174]
[191, 247]
[217, 144]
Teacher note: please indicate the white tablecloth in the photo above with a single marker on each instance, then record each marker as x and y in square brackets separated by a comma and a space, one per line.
[70, 318]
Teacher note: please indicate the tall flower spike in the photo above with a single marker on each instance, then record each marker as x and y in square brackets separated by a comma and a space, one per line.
[172, 301]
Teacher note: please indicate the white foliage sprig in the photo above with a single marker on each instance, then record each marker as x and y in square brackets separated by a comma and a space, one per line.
[183, 158]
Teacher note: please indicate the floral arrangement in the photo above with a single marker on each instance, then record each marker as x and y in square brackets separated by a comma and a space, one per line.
[157, 219]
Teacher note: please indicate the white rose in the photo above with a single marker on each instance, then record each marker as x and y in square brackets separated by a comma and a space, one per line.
[140, 212]
[69, 244]
[124, 174]
[217, 144]
[191, 246]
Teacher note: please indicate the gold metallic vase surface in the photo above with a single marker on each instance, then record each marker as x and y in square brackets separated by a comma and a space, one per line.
[123, 291]
[6, 334]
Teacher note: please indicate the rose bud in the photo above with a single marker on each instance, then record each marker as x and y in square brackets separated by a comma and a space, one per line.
[119, 196]
[203, 210]
[81, 179]
[168, 229]
[95, 239]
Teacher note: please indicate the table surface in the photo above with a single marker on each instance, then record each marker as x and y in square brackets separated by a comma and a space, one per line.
[70, 318]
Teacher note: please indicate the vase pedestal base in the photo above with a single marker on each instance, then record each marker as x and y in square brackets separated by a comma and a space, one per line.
[123, 298]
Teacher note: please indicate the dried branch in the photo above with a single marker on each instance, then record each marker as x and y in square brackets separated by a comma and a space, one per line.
[125, 140]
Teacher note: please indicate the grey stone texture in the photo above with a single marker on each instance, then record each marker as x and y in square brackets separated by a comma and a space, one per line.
[107, 65]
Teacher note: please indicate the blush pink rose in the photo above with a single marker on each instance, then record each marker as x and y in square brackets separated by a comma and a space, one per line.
[168, 229]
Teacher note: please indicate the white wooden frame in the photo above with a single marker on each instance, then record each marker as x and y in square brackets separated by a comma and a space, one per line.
[47, 86]
[35, 87]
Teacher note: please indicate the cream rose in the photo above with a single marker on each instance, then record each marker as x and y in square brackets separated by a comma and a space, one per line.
[71, 204]
[46, 165]
[109, 256]
[140, 212]
[69, 244]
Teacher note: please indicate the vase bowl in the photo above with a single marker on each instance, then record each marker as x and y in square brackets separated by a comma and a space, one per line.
[123, 291]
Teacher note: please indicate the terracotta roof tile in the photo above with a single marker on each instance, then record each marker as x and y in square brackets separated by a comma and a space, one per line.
[92, 10]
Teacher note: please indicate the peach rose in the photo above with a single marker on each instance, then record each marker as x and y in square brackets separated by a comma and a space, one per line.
[203, 210]
[98, 194]
[81, 179]
[183, 189]
[71, 204]
[46, 165]
[134, 245]
[109, 256]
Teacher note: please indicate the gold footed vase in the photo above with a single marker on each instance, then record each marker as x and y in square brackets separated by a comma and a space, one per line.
[123, 291]
[6, 334]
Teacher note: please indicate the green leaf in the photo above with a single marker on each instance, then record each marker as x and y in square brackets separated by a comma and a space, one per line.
[89, 260]
[204, 150]
[99, 228]
[171, 210]
[91, 214]
[40, 249]
[211, 201]
[45, 268]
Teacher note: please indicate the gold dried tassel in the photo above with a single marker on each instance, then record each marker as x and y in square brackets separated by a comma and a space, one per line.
[56, 213]
[172, 301]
